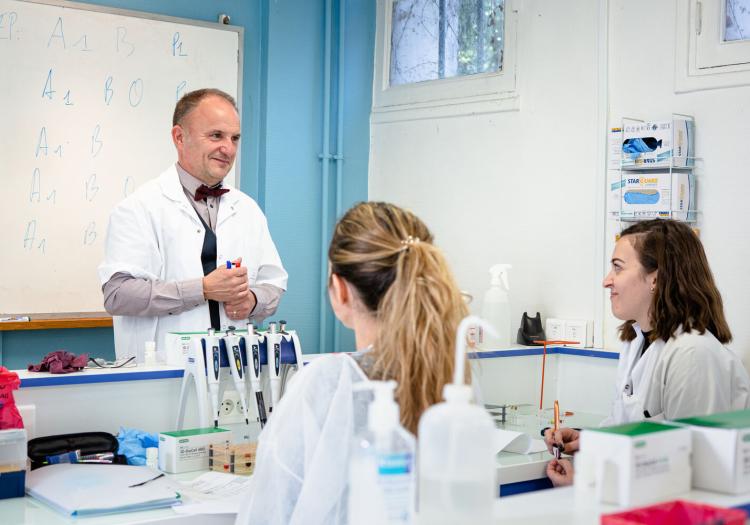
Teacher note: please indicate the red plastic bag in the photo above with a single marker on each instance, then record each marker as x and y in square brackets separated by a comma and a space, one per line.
[9, 415]
[677, 513]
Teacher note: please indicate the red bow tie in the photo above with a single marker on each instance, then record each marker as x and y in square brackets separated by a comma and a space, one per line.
[204, 192]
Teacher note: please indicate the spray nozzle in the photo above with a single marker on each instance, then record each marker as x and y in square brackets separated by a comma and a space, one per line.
[499, 274]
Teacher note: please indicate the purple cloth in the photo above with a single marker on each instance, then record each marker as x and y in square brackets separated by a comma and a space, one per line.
[60, 362]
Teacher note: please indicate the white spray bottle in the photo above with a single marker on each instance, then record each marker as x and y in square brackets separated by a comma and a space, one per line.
[496, 309]
[456, 451]
[382, 480]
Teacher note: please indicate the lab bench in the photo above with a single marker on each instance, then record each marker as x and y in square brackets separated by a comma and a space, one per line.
[146, 398]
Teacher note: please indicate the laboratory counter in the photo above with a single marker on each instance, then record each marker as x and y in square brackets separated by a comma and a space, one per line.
[561, 506]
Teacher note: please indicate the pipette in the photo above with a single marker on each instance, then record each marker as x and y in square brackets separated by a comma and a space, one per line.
[273, 350]
[253, 348]
[234, 356]
[556, 448]
[213, 353]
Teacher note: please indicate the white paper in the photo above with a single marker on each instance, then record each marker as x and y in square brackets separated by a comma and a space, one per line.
[215, 493]
[517, 442]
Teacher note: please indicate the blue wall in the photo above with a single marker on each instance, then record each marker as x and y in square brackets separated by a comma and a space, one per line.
[282, 116]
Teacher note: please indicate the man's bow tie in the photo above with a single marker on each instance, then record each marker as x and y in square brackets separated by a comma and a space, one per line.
[204, 191]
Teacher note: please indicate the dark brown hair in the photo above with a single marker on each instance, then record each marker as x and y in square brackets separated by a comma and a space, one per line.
[685, 293]
[386, 254]
[190, 100]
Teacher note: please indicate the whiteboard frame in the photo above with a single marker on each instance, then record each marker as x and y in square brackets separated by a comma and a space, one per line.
[177, 20]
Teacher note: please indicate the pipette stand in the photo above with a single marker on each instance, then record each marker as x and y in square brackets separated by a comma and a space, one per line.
[196, 370]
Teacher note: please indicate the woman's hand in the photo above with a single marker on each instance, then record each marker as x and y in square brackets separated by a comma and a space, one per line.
[565, 438]
[560, 472]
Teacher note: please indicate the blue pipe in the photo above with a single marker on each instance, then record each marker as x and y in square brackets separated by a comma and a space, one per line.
[325, 157]
[339, 158]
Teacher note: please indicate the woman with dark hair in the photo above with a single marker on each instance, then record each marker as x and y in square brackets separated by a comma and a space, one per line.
[673, 363]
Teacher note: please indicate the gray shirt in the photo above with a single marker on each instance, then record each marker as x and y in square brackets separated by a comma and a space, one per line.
[128, 295]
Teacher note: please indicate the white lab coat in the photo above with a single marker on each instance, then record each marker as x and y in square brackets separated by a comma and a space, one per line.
[155, 233]
[301, 474]
[692, 374]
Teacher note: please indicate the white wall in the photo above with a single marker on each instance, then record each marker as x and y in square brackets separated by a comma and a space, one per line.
[525, 187]
[519, 187]
[642, 55]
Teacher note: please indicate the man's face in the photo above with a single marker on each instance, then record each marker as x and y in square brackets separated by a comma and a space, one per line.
[207, 140]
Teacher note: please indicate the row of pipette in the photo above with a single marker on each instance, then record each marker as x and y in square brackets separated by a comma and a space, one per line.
[245, 355]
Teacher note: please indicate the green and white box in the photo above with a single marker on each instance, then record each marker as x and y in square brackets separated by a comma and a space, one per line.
[177, 346]
[638, 463]
[186, 450]
[721, 451]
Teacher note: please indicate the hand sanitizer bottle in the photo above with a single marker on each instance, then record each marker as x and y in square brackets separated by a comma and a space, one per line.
[496, 309]
[457, 465]
[381, 469]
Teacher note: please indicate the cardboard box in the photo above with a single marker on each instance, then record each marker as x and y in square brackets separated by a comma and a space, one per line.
[186, 450]
[637, 463]
[654, 194]
[721, 451]
[660, 143]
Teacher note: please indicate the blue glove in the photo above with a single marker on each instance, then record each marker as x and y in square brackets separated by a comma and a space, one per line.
[133, 444]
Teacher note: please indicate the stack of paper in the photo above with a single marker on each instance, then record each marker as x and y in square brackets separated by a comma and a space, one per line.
[86, 490]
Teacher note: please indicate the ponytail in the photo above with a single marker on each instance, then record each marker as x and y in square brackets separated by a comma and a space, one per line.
[387, 254]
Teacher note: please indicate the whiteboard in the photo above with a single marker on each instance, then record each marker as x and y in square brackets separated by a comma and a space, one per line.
[86, 99]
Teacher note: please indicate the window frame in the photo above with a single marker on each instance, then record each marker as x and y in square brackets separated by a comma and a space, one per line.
[480, 93]
[703, 60]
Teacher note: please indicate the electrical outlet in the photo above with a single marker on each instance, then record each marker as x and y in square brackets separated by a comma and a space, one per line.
[231, 408]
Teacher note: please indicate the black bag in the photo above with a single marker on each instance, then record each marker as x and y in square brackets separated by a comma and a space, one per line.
[87, 442]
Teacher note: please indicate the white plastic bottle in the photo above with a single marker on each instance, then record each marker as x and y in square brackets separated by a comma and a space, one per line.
[152, 457]
[496, 308]
[457, 482]
[149, 354]
[382, 478]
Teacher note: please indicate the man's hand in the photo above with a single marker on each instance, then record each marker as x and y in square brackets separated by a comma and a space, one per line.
[568, 437]
[239, 310]
[560, 472]
[227, 285]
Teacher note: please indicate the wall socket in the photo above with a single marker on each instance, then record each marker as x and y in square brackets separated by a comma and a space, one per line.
[230, 410]
[580, 330]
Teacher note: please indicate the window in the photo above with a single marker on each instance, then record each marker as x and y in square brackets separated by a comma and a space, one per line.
[736, 20]
[434, 39]
[444, 57]
[713, 47]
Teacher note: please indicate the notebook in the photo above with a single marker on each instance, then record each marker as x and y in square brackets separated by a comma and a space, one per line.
[89, 490]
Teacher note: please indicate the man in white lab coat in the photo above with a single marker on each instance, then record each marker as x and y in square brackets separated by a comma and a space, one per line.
[167, 244]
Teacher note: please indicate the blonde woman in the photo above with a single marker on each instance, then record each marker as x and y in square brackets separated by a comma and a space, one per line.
[392, 286]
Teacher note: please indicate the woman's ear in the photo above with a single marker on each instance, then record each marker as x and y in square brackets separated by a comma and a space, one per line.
[338, 290]
[652, 280]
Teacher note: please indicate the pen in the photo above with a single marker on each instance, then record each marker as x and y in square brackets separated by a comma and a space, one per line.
[557, 449]
[147, 481]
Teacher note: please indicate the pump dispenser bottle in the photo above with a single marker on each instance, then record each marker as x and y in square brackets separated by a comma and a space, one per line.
[456, 454]
[381, 469]
[496, 309]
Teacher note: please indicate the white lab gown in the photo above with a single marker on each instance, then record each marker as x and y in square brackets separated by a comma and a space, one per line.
[689, 375]
[155, 233]
[301, 474]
